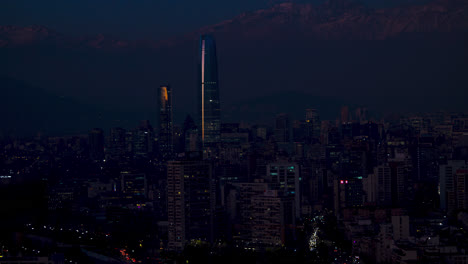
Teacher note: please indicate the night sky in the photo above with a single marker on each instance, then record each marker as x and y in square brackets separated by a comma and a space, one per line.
[154, 19]
[269, 62]
[136, 19]
[241, 131]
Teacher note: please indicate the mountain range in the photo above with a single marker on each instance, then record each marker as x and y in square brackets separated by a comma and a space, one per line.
[296, 55]
[333, 19]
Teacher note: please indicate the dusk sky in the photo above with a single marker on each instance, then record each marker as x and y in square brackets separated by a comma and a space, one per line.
[153, 19]
[338, 52]
[240, 131]
[135, 19]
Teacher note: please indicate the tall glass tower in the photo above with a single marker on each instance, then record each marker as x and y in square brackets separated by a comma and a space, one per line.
[165, 121]
[208, 90]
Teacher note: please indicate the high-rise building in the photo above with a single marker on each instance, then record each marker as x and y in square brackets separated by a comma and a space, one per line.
[191, 199]
[143, 140]
[282, 128]
[246, 192]
[361, 115]
[96, 144]
[344, 114]
[189, 135]
[267, 217]
[348, 193]
[166, 133]
[208, 90]
[387, 185]
[272, 218]
[116, 141]
[378, 186]
[299, 131]
[261, 132]
[454, 185]
[129, 142]
[399, 171]
[448, 184]
[285, 176]
[462, 188]
[313, 125]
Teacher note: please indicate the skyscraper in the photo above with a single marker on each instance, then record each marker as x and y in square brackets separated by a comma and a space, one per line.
[313, 125]
[344, 114]
[190, 196]
[96, 144]
[282, 128]
[208, 90]
[116, 149]
[165, 121]
[143, 140]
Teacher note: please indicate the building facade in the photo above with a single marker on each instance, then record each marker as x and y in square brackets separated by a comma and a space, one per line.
[208, 90]
[190, 195]
[166, 133]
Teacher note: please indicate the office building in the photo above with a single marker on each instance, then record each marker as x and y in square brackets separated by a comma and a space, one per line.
[166, 133]
[116, 141]
[285, 176]
[208, 91]
[191, 198]
[96, 144]
[143, 140]
[272, 219]
[282, 128]
[450, 174]
[344, 115]
[313, 126]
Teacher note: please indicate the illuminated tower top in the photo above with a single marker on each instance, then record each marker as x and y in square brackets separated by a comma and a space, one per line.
[165, 121]
[209, 106]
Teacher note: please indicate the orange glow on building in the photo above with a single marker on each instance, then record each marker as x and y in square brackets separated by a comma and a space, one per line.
[164, 93]
[203, 90]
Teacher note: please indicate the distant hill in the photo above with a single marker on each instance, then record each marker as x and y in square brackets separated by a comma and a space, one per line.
[330, 19]
[27, 110]
[346, 19]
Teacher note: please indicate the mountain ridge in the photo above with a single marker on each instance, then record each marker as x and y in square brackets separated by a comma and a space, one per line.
[333, 19]
[344, 19]
[396, 72]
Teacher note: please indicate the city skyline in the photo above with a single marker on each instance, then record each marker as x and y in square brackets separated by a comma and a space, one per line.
[314, 131]
[420, 67]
